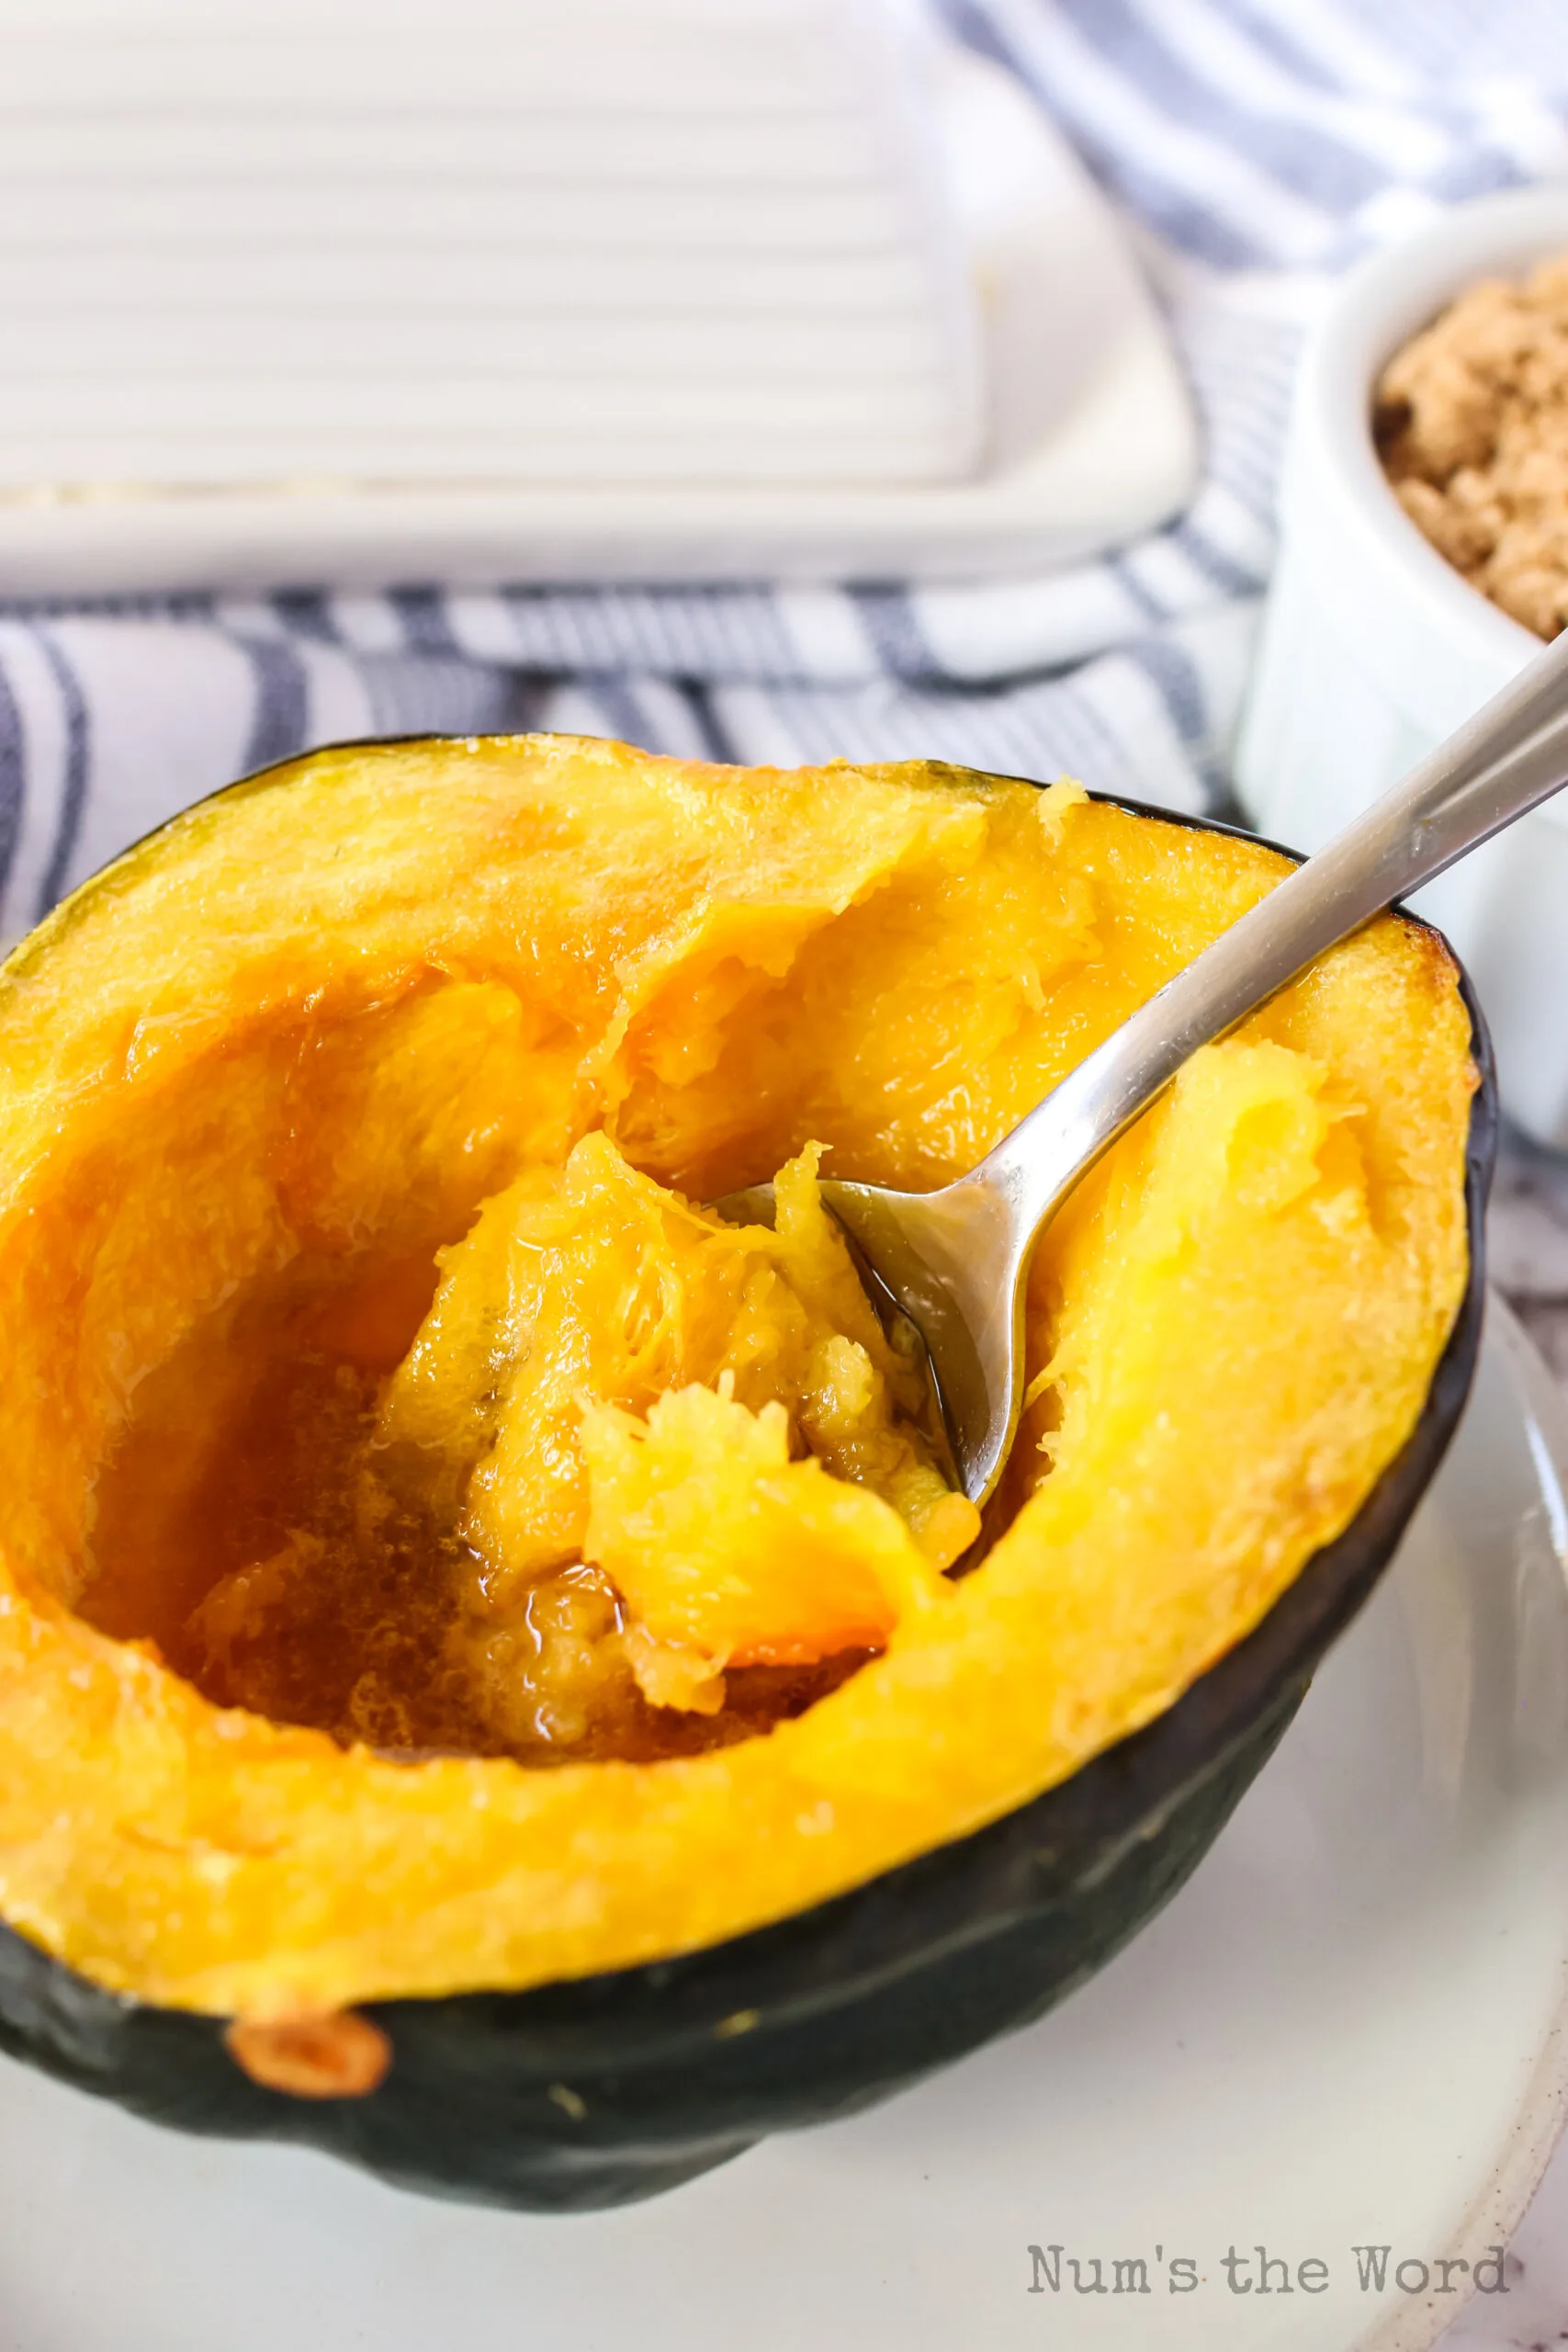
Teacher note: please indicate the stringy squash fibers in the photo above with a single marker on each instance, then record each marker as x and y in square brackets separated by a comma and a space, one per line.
[352, 1137]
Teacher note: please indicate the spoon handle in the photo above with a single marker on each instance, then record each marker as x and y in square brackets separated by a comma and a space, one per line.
[1506, 760]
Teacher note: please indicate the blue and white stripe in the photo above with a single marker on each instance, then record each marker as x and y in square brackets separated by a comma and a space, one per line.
[1256, 148]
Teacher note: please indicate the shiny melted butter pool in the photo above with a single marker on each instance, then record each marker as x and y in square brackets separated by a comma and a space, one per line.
[605, 1478]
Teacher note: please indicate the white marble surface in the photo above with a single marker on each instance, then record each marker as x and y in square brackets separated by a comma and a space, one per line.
[1528, 1244]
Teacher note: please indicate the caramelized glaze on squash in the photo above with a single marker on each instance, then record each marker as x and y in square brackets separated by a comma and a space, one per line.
[504, 1001]
[491, 1551]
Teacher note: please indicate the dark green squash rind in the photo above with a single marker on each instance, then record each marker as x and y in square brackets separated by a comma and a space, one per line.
[613, 2086]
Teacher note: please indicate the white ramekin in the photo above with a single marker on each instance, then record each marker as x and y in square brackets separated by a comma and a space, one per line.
[1374, 648]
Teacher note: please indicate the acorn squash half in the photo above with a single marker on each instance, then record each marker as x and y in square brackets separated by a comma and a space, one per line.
[546, 1829]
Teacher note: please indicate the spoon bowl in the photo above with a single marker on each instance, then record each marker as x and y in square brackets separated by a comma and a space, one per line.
[950, 1266]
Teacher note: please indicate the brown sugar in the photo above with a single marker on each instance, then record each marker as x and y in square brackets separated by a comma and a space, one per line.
[1470, 420]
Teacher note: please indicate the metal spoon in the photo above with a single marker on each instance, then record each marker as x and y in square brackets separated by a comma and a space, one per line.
[955, 1261]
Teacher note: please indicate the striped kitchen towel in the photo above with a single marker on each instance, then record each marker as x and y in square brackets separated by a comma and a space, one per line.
[1255, 147]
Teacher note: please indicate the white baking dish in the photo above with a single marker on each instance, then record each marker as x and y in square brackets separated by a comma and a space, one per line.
[485, 291]
[1374, 648]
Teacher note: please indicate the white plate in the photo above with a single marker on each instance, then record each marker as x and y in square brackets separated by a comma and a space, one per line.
[1347, 2030]
[1091, 438]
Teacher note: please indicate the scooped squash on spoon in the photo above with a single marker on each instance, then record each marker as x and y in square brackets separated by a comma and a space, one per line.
[439, 1558]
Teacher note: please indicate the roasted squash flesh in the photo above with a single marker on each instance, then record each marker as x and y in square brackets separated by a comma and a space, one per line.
[386, 1416]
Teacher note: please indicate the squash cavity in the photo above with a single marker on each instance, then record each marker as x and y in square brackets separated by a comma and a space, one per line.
[385, 1418]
